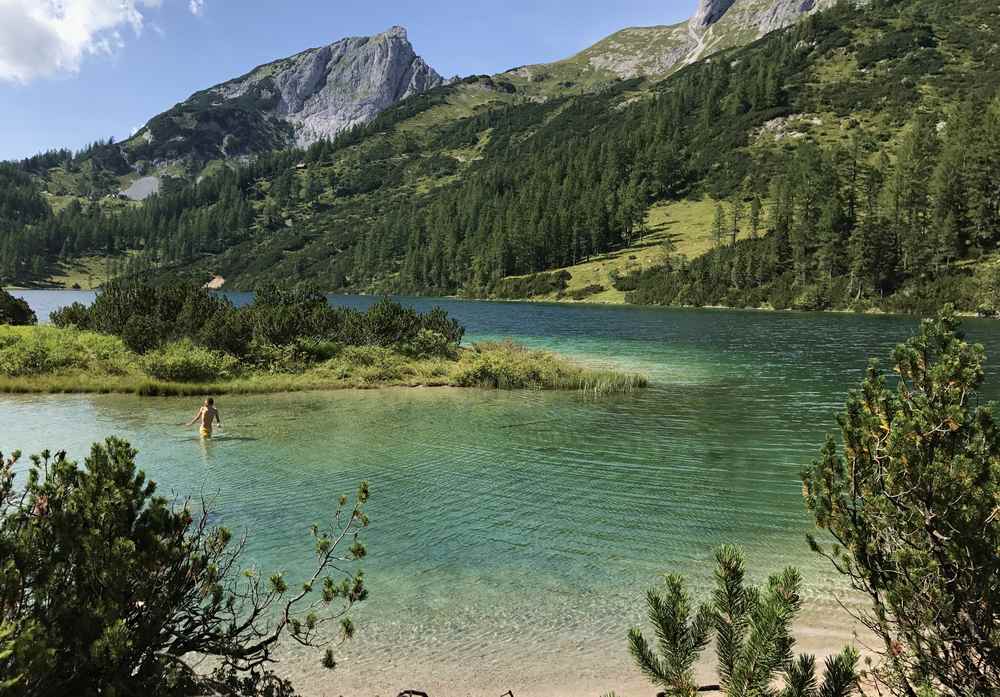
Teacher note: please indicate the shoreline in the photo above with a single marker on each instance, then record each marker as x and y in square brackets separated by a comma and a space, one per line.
[871, 312]
[79, 385]
[574, 666]
[537, 300]
[50, 360]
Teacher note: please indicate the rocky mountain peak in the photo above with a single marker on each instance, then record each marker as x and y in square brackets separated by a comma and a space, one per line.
[395, 31]
[716, 25]
[709, 12]
[326, 90]
[298, 100]
[762, 16]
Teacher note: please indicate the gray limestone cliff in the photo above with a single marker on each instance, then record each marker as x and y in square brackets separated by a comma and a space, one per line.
[758, 16]
[293, 101]
[716, 25]
[324, 91]
[709, 12]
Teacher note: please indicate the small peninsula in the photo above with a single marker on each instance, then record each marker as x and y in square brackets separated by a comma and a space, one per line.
[183, 340]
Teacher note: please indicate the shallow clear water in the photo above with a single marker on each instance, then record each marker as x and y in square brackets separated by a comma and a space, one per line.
[514, 533]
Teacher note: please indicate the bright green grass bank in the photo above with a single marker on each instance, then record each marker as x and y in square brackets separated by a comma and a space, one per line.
[677, 228]
[52, 360]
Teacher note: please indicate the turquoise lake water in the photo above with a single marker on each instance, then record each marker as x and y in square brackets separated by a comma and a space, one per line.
[514, 533]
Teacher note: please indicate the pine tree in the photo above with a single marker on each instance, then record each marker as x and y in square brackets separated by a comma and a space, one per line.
[908, 189]
[736, 217]
[950, 186]
[911, 502]
[756, 209]
[753, 638]
[15, 311]
[171, 590]
[984, 189]
[719, 225]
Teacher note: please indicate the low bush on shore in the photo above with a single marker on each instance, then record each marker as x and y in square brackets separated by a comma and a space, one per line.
[293, 324]
[520, 287]
[751, 628]
[185, 362]
[14, 310]
[34, 351]
[50, 359]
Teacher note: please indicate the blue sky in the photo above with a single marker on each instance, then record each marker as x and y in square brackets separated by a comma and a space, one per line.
[73, 71]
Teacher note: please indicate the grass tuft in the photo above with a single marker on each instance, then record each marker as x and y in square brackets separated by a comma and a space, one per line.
[506, 365]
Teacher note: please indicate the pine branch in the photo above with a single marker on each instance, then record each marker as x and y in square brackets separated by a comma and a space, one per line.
[841, 679]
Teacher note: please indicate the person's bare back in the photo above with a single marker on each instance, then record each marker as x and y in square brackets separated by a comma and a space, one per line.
[208, 415]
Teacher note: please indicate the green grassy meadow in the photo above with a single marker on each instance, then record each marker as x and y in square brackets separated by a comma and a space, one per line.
[52, 360]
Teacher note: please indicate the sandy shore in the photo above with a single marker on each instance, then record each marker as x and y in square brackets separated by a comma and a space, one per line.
[568, 668]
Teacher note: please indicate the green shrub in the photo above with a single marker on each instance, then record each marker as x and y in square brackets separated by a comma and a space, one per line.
[317, 350]
[372, 364]
[227, 331]
[39, 350]
[782, 294]
[26, 357]
[813, 298]
[275, 359]
[437, 320]
[280, 316]
[429, 344]
[119, 301]
[908, 493]
[752, 628]
[529, 286]
[137, 592]
[283, 328]
[75, 315]
[15, 310]
[143, 334]
[380, 373]
[506, 365]
[391, 324]
[583, 293]
[897, 44]
[184, 361]
[499, 366]
[364, 356]
[625, 282]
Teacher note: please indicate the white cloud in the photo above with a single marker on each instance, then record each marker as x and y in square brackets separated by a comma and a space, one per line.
[40, 38]
[196, 7]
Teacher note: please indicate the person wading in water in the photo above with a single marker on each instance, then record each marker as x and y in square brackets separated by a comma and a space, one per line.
[208, 414]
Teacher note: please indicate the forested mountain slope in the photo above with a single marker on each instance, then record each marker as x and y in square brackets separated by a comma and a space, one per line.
[323, 91]
[294, 101]
[454, 190]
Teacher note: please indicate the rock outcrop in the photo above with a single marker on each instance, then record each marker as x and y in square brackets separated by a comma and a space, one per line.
[324, 91]
[760, 16]
[715, 26]
[709, 12]
[297, 100]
